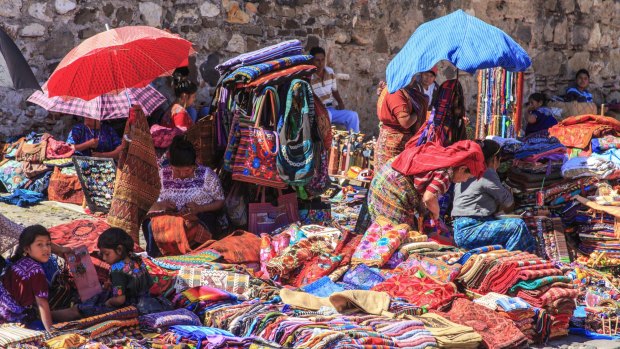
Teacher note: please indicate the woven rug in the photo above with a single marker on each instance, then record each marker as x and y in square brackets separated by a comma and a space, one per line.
[137, 179]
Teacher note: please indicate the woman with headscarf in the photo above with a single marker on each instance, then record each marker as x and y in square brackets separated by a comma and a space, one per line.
[400, 114]
[475, 203]
[409, 186]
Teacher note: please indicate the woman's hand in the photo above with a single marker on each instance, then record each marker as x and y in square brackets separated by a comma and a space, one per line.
[93, 143]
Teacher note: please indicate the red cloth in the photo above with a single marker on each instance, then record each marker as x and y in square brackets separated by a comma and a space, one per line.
[180, 118]
[390, 105]
[432, 156]
[577, 131]
[77, 233]
[26, 280]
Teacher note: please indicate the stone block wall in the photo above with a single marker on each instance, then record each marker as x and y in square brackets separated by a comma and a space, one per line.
[360, 36]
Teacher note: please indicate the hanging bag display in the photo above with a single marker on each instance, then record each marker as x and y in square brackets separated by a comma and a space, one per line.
[296, 156]
[255, 161]
[240, 119]
[264, 217]
[202, 136]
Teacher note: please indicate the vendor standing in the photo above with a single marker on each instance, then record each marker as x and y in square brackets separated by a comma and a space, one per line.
[400, 114]
[476, 201]
[93, 138]
[410, 184]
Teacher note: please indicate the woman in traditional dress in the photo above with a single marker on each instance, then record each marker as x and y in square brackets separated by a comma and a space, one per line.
[93, 138]
[539, 118]
[475, 203]
[185, 92]
[188, 190]
[409, 185]
[400, 114]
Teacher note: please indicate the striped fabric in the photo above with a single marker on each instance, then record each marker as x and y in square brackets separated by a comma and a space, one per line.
[220, 279]
[283, 49]
[280, 76]
[461, 39]
[13, 334]
[104, 107]
[252, 72]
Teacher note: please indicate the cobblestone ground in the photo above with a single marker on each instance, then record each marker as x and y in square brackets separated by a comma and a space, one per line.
[50, 214]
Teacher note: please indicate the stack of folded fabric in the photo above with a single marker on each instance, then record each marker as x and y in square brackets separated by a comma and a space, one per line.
[591, 166]
[513, 308]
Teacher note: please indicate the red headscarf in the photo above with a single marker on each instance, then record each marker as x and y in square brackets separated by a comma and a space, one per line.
[432, 156]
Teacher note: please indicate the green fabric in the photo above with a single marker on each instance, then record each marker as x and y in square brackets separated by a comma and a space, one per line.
[538, 283]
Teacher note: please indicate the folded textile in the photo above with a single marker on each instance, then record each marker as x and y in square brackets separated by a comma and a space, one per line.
[548, 297]
[362, 277]
[119, 314]
[578, 131]
[371, 302]
[249, 73]
[323, 287]
[449, 334]
[282, 49]
[12, 334]
[588, 167]
[279, 77]
[512, 304]
[188, 260]
[198, 333]
[537, 283]
[158, 322]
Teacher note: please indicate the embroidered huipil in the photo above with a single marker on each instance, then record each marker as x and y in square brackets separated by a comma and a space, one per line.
[202, 189]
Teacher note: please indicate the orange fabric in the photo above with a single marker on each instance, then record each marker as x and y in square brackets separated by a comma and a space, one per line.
[577, 131]
[173, 234]
[432, 156]
[238, 247]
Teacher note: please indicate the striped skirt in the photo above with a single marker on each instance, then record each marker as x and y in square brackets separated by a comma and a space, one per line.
[474, 232]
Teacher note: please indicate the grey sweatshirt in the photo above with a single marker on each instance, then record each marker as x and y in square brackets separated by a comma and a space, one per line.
[480, 197]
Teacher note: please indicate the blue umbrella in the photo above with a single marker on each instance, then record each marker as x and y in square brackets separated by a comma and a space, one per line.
[463, 40]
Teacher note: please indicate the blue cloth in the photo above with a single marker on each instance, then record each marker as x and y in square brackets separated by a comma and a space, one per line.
[513, 303]
[22, 198]
[474, 232]
[544, 121]
[193, 113]
[347, 118]
[322, 287]
[463, 40]
[108, 138]
[575, 94]
[51, 268]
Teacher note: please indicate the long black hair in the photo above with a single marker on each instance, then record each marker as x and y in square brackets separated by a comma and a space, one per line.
[539, 97]
[182, 152]
[26, 238]
[183, 85]
[490, 149]
[117, 239]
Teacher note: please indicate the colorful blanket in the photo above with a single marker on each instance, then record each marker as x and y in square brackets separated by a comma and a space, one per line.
[578, 131]
[281, 76]
[250, 73]
[283, 49]
[188, 260]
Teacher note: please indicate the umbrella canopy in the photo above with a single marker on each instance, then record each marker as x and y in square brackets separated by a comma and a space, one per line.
[117, 59]
[104, 107]
[461, 39]
[14, 69]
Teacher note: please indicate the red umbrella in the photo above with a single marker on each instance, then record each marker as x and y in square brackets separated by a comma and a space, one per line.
[117, 59]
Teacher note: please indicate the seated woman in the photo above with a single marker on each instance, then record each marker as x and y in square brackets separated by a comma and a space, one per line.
[579, 92]
[410, 184]
[189, 191]
[539, 117]
[475, 203]
[93, 138]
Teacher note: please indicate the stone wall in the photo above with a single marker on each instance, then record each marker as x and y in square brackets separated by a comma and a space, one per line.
[360, 37]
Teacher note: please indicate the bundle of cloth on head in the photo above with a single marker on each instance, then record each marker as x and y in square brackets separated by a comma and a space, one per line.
[432, 156]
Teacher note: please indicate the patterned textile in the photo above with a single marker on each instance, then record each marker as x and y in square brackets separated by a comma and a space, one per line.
[282, 49]
[551, 295]
[12, 175]
[362, 277]
[512, 233]
[247, 74]
[380, 241]
[497, 331]
[206, 293]
[175, 235]
[189, 260]
[159, 322]
[238, 248]
[271, 247]
[163, 280]
[389, 144]
[578, 131]
[282, 76]
[137, 180]
[131, 280]
[603, 144]
[71, 340]
[24, 281]
[478, 250]
[10, 310]
[9, 233]
[296, 255]
[119, 314]
[537, 283]
[82, 232]
[203, 188]
[449, 334]
[189, 277]
[109, 327]
[108, 139]
[317, 267]
[393, 195]
[12, 334]
[322, 287]
[418, 288]
[433, 267]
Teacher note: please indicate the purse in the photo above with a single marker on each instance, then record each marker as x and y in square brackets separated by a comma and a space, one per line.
[58, 149]
[255, 161]
[65, 188]
[296, 154]
[84, 274]
[34, 153]
[315, 212]
[239, 118]
[264, 218]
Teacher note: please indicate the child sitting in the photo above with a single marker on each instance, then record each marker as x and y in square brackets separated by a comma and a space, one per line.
[539, 118]
[24, 283]
[129, 278]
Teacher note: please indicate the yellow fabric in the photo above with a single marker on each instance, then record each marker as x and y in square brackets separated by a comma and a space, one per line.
[371, 302]
[449, 334]
[72, 340]
[303, 300]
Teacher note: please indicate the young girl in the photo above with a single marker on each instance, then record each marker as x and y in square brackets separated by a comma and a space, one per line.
[129, 278]
[24, 283]
[539, 117]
